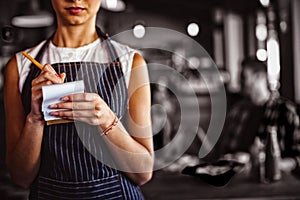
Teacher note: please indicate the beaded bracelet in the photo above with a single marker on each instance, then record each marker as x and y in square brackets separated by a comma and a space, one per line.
[111, 126]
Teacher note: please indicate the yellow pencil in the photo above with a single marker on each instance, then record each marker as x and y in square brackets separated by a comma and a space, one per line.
[39, 65]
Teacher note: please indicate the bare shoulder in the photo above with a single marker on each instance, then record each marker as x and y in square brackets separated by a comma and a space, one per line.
[12, 96]
[11, 82]
[139, 74]
[11, 72]
[138, 60]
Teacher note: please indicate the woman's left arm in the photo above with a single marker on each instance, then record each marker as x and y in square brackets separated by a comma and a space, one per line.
[132, 148]
[138, 156]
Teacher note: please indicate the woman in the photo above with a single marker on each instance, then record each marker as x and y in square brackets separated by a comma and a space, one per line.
[55, 161]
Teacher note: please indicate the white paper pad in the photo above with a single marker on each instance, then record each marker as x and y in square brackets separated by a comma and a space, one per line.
[52, 94]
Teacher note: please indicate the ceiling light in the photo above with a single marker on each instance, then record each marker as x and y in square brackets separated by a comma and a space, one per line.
[265, 3]
[139, 31]
[193, 29]
[261, 32]
[113, 5]
[262, 55]
[33, 21]
[30, 16]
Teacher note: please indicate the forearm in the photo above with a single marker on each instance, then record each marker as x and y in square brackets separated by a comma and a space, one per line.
[135, 160]
[24, 160]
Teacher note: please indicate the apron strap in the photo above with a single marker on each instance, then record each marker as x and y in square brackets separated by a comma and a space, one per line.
[109, 46]
[41, 51]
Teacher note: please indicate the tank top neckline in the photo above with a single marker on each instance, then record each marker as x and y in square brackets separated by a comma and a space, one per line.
[81, 48]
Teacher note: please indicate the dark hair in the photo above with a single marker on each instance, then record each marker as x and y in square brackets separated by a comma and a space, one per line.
[254, 65]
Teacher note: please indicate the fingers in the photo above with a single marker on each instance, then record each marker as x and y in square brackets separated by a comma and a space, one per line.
[79, 103]
[47, 76]
[36, 88]
[49, 68]
[48, 73]
[62, 76]
[70, 114]
[74, 105]
[82, 97]
[87, 116]
[85, 107]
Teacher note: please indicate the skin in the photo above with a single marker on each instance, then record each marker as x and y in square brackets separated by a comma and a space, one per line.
[24, 133]
[256, 86]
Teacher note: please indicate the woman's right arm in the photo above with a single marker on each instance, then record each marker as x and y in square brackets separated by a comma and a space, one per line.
[24, 133]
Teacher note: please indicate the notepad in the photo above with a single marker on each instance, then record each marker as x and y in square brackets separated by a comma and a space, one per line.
[52, 94]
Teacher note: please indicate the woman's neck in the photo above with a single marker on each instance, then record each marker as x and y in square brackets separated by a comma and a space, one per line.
[74, 36]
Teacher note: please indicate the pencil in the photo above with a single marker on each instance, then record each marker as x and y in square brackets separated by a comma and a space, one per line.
[39, 65]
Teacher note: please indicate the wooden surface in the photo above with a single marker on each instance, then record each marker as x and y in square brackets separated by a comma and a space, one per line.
[165, 185]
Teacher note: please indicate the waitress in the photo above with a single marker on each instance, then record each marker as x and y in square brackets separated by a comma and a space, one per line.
[101, 154]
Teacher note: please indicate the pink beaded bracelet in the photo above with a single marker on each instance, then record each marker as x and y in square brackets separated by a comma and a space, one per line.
[111, 126]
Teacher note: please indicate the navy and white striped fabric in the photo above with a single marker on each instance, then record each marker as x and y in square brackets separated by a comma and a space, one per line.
[74, 158]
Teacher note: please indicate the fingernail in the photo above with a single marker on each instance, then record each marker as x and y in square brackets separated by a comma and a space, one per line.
[54, 113]
[46, 67]
[65, 98]
[63, 77]
[53, 106]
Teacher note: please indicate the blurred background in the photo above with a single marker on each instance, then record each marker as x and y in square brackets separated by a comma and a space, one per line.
[228, 30]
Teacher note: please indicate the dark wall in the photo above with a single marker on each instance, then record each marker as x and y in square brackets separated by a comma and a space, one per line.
[114, 23]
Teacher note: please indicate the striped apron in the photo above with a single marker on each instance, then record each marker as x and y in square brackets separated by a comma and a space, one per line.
[71, 154]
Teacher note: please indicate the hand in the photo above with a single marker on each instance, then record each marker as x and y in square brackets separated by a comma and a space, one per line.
[86, 107]
[47, 76]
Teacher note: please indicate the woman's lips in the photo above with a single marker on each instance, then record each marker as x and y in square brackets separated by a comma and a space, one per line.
[75, 10]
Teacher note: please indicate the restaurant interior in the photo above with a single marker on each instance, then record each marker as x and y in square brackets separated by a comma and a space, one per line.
[194, 50]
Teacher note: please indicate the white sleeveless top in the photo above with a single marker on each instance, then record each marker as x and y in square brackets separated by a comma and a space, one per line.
[93, 52]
